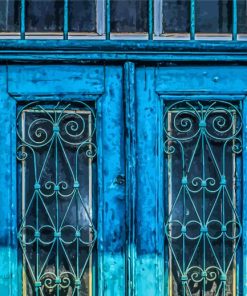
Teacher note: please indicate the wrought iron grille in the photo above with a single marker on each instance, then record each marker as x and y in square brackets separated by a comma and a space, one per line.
[56, 152]
[203, 229]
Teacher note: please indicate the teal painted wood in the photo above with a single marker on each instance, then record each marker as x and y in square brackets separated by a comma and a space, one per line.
[81, 51]
[163, 81]
[98, 50]
[55, 80]
[202, 80]
[111, 221]
[105, 86]
[131, 140]
[244, 202]
[149, 203]
[8, 231]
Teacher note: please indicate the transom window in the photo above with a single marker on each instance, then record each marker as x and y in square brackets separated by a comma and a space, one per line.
[124, 19]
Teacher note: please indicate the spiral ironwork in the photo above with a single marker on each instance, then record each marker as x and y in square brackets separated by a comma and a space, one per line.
[56, 152]
[203, 146]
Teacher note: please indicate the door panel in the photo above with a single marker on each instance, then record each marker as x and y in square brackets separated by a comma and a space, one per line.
[64, 113]
[167, 206]
[52, 79]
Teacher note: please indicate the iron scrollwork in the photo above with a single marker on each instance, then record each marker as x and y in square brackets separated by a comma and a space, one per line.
[57, 235]
[203, 147]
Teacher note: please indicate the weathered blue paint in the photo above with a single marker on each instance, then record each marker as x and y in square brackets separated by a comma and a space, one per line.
[52, 79]
[131, 248]
[244, 202]
[111, 213]
[8, 232]
[130, 122]
[149, 202]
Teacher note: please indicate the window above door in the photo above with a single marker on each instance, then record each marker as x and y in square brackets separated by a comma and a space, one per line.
[124, 19]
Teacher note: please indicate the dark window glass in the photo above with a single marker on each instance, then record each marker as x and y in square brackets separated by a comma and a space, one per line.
[242, 16]
[129, 16]
[9, 15]
[214, 16]
[82, 15]
[176, 15]
[211, 16]
[56, 231]
[203, 228]
[44, 16]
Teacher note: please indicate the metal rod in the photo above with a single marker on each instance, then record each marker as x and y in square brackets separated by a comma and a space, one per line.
[192, 19]
[65, 20]
[234, 20]
[150, 19]
[108, 19]
[23, 18]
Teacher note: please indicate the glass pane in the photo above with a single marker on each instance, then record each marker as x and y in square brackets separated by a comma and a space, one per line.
[82, 15]
[242, 16]
[176, 16]
[44, 16]
[203, 149]
[129, 16]
[9, 15]
[213, 16]
[56, 232]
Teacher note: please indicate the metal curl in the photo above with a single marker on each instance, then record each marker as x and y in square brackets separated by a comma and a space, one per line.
[48, 279]
[195, 276]
[214, 274]
[65, 280]
[89, 242]
[209, 234]
[169, 149]
[233, 237]
[72, 126]
[167, 230]
[220, 125]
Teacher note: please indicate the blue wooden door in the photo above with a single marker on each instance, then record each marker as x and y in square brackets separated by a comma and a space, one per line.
[191, 147]
[62, 175]
[72, 223]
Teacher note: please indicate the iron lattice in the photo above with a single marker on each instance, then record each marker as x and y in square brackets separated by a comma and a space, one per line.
[203, 147]
[56, 234]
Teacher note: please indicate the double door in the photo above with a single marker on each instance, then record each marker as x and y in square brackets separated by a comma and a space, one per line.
[122, 180]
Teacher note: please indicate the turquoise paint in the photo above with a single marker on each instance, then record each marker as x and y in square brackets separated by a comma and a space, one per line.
[128, 100]
[192, 19]
[131, 162]
[244, 202]
[8, 233]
